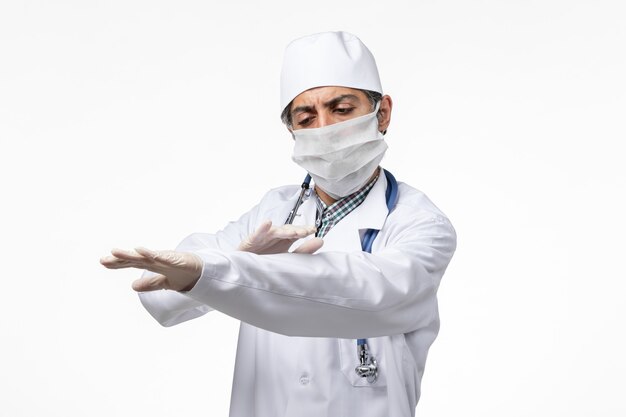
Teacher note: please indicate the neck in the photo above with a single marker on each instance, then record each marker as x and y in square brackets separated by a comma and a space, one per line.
[328, 200]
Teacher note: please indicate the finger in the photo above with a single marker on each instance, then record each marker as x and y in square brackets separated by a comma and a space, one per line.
[127, 255]
[261, 230]
[257, 236]
[293, 232]
[111, 262]
[265, 226]
[146, 253]
[305, 230]
[279, 233]
[108, 260]
[150, 283]
[310, 246]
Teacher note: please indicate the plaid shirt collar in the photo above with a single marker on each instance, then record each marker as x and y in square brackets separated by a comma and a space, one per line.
[328, 216]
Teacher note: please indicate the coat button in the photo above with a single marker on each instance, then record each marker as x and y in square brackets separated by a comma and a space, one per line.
[304, 379]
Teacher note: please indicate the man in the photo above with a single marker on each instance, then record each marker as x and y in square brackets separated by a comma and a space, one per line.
[302, 311]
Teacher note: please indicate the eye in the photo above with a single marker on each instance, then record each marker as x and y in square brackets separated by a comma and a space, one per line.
[343, 110]
[305, 121]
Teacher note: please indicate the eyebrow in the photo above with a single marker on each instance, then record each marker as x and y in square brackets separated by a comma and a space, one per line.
[328, 104]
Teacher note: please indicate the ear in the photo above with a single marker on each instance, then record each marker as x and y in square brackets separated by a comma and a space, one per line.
[384, 113]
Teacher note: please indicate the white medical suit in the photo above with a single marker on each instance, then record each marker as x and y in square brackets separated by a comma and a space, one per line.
[301, 313]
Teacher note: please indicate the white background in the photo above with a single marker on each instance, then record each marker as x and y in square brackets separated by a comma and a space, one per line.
[127, 123]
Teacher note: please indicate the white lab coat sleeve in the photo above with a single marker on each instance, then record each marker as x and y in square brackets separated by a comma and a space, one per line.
[336, 294]
[171, 307]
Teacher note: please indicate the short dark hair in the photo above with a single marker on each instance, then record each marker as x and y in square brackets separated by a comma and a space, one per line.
[373, 97]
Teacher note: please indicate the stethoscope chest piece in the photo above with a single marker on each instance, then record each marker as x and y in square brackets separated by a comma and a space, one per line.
[367, 367]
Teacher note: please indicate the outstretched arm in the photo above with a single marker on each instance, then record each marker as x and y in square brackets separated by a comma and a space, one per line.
[331, 294]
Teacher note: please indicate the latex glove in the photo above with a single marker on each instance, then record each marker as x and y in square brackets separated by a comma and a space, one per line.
[177, 271]
[269, 239]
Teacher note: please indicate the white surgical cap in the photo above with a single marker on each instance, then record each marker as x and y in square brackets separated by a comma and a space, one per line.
[326, 59]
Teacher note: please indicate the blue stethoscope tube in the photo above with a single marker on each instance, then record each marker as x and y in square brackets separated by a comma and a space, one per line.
[367, 368]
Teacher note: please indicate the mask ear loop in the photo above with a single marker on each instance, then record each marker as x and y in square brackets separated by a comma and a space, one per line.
[377, 108]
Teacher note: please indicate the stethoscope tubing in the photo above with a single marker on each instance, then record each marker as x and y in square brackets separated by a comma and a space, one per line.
[391, 198]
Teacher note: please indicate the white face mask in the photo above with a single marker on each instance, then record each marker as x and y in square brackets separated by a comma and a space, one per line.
[341, 157]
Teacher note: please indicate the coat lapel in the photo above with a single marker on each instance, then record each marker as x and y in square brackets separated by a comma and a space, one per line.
[346, 235]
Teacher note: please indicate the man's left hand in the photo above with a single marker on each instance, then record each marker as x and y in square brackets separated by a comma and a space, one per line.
[268, 239]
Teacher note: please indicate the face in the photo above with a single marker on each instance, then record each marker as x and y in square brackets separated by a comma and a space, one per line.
[323, 106]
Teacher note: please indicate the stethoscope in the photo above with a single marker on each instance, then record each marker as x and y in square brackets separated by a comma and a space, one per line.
[367, 367]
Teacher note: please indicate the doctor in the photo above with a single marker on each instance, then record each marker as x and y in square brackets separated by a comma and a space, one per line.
[306, 292]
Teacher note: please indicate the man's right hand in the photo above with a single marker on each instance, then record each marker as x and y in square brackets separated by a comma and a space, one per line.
[268, 239]
[178, 271]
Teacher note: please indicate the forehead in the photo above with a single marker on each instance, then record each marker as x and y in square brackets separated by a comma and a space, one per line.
[320, 95]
